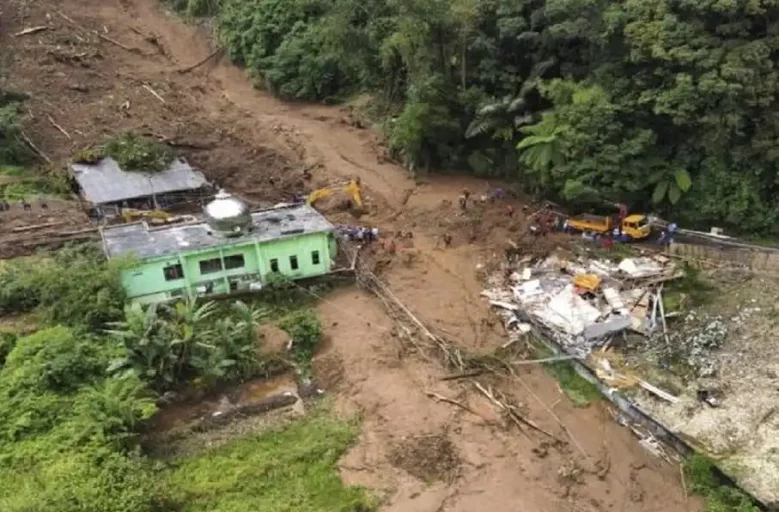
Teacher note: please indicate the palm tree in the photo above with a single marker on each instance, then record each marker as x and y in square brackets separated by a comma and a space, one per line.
[542, 147]
[499, 119]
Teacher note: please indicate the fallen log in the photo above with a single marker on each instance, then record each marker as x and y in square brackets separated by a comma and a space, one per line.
[23, 229]
[262, 406]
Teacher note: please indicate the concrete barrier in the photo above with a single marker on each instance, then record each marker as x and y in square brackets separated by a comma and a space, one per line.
[751, 259]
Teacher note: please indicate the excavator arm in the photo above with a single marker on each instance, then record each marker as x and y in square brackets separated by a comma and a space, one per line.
[352, 188]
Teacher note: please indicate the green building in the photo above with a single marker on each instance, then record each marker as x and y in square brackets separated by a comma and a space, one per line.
[233, 250]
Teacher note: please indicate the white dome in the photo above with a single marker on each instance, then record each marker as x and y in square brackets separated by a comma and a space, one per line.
[228, 215]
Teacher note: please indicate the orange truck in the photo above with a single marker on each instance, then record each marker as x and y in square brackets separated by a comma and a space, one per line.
[635, 226]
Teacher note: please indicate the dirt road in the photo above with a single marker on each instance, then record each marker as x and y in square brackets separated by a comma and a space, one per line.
[93, 71]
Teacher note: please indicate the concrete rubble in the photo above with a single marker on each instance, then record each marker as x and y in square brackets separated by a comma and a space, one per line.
[581, 303]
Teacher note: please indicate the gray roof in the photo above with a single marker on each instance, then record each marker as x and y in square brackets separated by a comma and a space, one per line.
[144, 242]
[105, 182]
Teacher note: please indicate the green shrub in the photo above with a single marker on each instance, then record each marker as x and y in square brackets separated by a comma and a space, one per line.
[7, 343]
[75, 286]
[197, 8]
[305, 330]
[53, 360]
[700, 475]
[13, 150]
[134, 152]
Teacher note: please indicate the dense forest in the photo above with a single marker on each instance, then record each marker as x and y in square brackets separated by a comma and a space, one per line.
[668, 105]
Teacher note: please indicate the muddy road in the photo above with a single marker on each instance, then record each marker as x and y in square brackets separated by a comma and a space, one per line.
[91, 71]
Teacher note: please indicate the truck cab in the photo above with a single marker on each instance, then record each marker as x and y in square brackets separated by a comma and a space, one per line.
[636, 226]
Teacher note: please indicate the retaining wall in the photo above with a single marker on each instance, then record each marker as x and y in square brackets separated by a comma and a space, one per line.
[753, 259]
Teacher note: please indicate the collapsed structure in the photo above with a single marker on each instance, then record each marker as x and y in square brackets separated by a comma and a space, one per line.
[582, 303]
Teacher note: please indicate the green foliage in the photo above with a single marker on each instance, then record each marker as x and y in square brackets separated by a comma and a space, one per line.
[75, 286]
[661, 104]
[281, 43]
[7, 344]
[134, 152]
[197, 7]
[167, 344]
[690, 290]
[89, 155]
[702, 480]
[305, 330]
[13, 151]
[292, 469]
[66, 430]
[579, 391]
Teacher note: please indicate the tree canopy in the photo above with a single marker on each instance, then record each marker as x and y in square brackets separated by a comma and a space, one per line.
[667, 104]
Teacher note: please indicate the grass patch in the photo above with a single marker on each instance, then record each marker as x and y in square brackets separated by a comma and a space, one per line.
[702, 480]
[131, 151]
[581, 392]
[293, 469]
[17, 183]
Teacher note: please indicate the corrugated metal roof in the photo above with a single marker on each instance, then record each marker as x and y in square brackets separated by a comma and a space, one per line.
[144, 242]
[105, 182]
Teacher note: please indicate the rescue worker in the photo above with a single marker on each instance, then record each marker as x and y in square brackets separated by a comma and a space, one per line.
[623, 211]
[463, 202]
[666, 237]
[510, 210]
[496, 194]
[447, 239]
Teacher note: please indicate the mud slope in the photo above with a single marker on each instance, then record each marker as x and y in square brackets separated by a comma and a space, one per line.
[108, 65]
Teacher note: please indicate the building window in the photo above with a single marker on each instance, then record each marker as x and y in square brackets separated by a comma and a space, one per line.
[315, 257]
[293, 262]
[274, 265]
[173, 272]
[234, 261]
[210, 266]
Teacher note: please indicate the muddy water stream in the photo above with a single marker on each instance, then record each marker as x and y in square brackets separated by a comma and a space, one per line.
[248, 393]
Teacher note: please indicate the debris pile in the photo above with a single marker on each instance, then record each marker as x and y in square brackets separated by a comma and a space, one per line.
[582, 303]
[693, 343]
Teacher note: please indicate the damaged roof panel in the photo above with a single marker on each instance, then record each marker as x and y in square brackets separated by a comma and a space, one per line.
[104, 182]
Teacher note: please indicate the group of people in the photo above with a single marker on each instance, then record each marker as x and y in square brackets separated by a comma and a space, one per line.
[495, 194]
[359, 234]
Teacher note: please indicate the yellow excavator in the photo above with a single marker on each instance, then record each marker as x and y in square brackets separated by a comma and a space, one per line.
[155, 217]
[352, 188]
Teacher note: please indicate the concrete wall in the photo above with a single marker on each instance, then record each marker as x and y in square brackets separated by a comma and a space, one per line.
[764, 261]
[146, 282]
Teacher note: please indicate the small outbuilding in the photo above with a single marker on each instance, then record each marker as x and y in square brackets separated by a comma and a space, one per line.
[106, 188]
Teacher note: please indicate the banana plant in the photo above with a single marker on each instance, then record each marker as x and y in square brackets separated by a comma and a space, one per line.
[670, 184]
